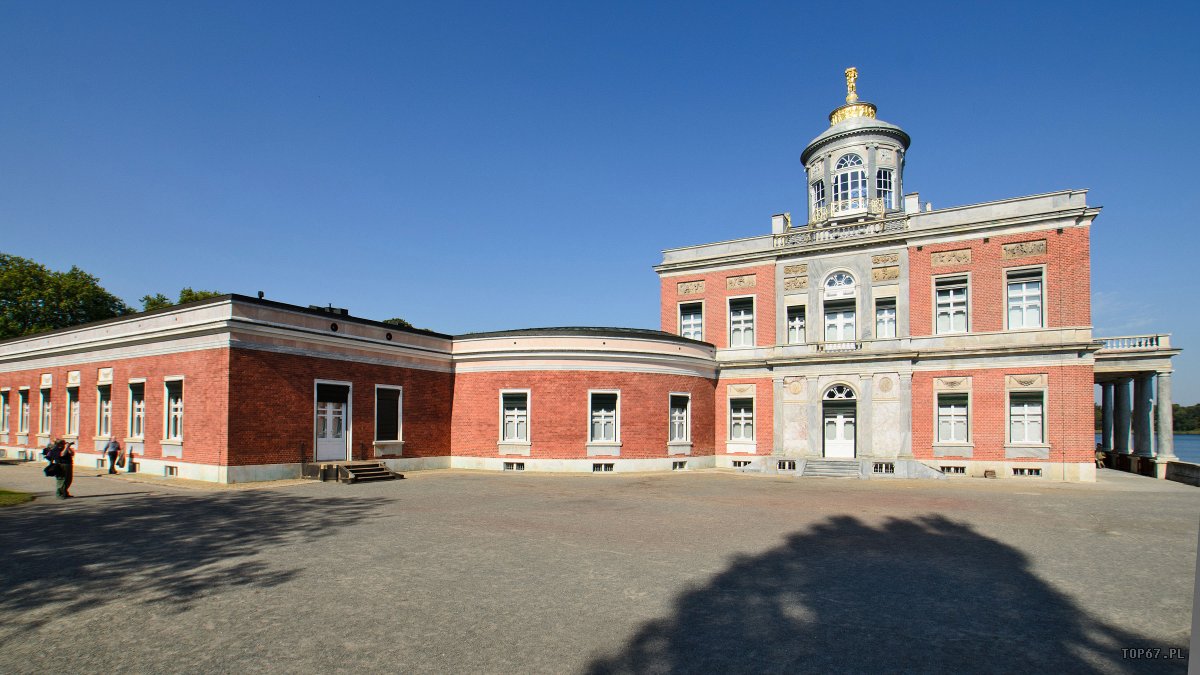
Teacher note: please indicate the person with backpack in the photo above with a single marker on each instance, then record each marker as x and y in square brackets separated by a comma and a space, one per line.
[61, 456]
[112, 449]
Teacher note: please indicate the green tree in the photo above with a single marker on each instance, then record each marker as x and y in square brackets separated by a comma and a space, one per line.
[35, 299]
[156, 301]
[398, 322]
[187, 294]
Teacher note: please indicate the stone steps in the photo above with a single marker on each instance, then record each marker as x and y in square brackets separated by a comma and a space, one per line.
[832, 468]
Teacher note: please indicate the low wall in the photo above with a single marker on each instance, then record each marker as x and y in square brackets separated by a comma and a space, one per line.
[1184, 472]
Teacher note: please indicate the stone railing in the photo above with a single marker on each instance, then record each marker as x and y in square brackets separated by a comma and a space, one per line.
[848, 346]
[820, 235]
[1132, 343]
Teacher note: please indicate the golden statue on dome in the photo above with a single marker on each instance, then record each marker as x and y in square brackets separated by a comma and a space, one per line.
[851, 87]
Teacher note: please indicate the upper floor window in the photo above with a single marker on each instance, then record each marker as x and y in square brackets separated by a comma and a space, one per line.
[885, 318]
[839, 285]
[795, 325]
[884, 188]
[849, 184]
[691, 321]
[848, 161]
[741, 322]
[817, 194]
[951, 295]
[1025, 299]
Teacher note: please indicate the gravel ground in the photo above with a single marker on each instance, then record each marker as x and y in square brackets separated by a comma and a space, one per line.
[701, 572]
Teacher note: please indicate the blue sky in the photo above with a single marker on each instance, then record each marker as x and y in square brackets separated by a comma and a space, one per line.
[487, 166]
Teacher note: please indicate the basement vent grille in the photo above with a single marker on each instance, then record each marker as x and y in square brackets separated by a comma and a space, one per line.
[954, 469]
[678, 466]
[787, 465]
[602, 468]
[741, 463]
[170, 471]
[885, 467]
[514, 466]
[100, 464]
[1027, 472]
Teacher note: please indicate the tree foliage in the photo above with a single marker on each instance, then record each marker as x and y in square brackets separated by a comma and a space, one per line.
[396, 321]
[187, 294]
[35, 299]
[1187, 417]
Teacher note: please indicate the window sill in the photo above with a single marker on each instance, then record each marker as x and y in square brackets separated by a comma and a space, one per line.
[741, 447]
[603, 449]
[1032, 451]
[172, 448]
[172, 441]
[514, 448]
[679, 448]
[383, 448]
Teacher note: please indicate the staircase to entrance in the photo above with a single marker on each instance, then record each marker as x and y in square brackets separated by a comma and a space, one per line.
[832, 468]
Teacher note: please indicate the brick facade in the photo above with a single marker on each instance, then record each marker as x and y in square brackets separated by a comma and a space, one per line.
[715, 298]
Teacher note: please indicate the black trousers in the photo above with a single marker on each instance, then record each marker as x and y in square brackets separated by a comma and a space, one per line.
[65, 476]
[112, 462]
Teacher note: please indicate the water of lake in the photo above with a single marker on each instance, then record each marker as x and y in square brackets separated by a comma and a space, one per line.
[1187, 447]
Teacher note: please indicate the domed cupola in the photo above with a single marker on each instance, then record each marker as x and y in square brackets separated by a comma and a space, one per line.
[856, 167]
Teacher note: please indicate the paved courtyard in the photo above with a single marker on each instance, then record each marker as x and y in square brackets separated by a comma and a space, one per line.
[709, 571]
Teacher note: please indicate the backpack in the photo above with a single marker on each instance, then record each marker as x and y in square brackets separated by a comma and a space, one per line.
[51, 452]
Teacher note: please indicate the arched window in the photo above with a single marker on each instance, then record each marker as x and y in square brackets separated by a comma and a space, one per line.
[839, 284]
[849, 184]
[839, 392]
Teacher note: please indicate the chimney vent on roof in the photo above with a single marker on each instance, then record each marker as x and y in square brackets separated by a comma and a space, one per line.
[337, 311]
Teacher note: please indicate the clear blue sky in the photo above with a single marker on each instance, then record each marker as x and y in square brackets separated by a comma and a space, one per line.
[475, 167]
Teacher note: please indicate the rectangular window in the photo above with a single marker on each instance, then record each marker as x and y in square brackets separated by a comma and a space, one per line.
[72, 411]
[741, 419]
[1025, 299]
[104, 410]
[817, 192]
[691, 321]
[44, 420]
[137, 409]
[885, 318]
[387, 413]
[952, 305]
[741, 322]
[174, 389]
[515, 413]
[680, 419]
[884, 189]
[23, 412]
[1025, 417]
[604, 418]
[795, 325]
[4, 412]
[839, 322]
[952, 418]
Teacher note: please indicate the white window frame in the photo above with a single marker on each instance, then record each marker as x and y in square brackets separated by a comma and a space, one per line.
[752, 421]
[888, 303]
[952, 282]
[801, 337]
[71, 421]
[45, 411]
[1008, 417]
[839, 307]
[965, 415]
[136, 418]
[23, 411]
[103, 415]
[752, 327]
[885, 184]
[679, 317]
[399, 415]
[5, 410]
[850, 187]
[687, 418]
[616, 440]
[816, 193]
[168, 411]
[528, 416]
[1030, 271]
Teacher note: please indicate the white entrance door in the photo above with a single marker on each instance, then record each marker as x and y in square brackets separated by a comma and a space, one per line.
[839, 433]
[331, 431]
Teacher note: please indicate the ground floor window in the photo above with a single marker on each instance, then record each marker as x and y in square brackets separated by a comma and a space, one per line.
[4, 411]
[952, 418]
[137, 409]
[174, 395]
[72, 411]
[23, 412]
[680, 423]
[104, 410]
[1025, 417]
[741, 419]
[44, 420]
[514, 409]
[387, 413]
[604, 418]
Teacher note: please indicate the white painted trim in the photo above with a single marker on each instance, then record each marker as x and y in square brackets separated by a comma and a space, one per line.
[754, 325]
[166, 429]
[688, 424]
[968, 292]
[399, 414]
[528, 440]
[1005, 272]
[679, 315]
[349, 422]
[129, 414]
[616, 442]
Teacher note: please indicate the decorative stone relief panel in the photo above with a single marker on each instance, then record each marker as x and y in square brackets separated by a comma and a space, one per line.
[885, 273]
[887, 387]
[795, 284]
[794, 270]
[47, 380]
[960, 384]
[817, 170]
[104, 376]
[945, 258]
[1024, 249]
[691, 287]
[884, 156]
[885, 259]
[741, 390]
[743, 281]
[795, 389]
[1025, 381]
[72, 377]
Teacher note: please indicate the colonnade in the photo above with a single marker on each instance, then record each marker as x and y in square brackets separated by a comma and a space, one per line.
[1136, 409]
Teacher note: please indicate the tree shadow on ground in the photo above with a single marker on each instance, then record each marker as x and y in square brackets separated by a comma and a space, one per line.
[919, 595]
[166, 550]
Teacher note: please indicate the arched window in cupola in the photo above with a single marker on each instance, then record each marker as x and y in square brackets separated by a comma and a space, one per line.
[849, 184]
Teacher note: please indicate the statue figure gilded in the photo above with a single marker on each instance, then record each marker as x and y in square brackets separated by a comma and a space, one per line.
[851, 87]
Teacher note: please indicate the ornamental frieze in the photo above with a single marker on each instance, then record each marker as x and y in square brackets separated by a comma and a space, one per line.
[691, 287]
[743, 281]
[72, 377]
[1021, 381]
[885, 273]
[961, 256]
[795, 270]
[884, 157]
[952, 383]
[885, 259]
[741, 389]
[795, 284]
[1024, 249]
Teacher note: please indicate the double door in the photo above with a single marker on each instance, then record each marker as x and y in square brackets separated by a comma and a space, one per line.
[839, 433]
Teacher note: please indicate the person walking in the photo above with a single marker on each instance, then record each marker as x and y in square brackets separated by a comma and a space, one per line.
[65, 459]
[112, 449]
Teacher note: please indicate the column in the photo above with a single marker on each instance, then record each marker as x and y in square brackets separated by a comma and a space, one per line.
[778, 442]
[1121, 416]
[906, 415]
[1141, 416]
[865, 391]
[1166, 419]
[1106, 420]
